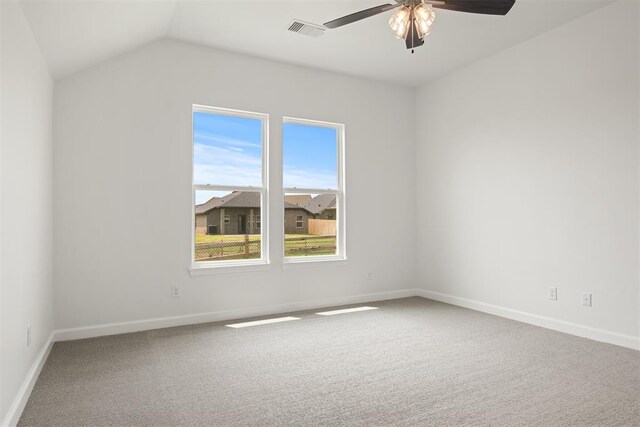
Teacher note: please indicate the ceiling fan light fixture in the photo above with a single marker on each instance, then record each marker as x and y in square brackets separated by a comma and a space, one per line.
[399, 22]
[413, 19]
[424, 17]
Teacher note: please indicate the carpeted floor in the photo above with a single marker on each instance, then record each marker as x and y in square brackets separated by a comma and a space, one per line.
[411, 362]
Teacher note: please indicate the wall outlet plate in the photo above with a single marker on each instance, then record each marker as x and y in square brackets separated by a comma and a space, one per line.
[553, 294]
[28, 335]
[175, 292]
[586, 299]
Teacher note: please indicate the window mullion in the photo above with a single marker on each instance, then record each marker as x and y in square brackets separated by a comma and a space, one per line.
[213, 187]
[296, 190]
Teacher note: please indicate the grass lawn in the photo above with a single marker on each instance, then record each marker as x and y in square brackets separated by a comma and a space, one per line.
[215, 238]
[294, 245]
[307, 244]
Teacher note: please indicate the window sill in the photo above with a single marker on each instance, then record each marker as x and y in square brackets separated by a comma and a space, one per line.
[313, 262]
[228, 268]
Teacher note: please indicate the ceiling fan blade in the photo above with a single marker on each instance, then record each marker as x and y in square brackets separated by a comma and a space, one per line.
[486, 7]
[360, 15]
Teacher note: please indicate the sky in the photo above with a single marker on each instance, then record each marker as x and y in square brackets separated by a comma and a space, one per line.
[227, 151]
[309, 156]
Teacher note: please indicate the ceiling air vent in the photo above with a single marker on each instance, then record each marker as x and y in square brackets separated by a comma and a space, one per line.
[306, 28]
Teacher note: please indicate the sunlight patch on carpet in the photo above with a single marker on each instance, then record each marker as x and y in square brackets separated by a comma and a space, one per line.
[262, 322]
[346, 310]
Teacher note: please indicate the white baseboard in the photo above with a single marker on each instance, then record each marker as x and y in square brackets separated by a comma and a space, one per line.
[602, 335]
[20, 401]
[218, 316]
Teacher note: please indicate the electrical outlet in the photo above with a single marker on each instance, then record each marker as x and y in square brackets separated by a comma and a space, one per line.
[28, 335]
[553, 294]
[175, 292]
[586, 299]
[369, 276]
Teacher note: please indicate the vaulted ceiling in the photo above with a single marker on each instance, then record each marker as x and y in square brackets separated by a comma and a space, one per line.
[74, 35]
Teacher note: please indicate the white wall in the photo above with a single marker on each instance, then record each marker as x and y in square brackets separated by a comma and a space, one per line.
[528, 168]
[26, 213]
[123, 187]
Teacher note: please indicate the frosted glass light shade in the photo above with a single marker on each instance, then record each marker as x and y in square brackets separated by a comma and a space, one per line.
[399, 22]
[424, 17]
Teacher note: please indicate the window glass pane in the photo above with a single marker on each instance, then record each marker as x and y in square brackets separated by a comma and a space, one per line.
[310, 156]
[310, 224]
[227, 225]
[227, 150]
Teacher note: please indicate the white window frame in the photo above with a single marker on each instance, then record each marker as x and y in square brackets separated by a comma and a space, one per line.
[206, 267]
[301, 221]
[341, 224]
[227, 219]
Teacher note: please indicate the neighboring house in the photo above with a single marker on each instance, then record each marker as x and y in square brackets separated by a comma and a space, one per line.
[297, 199]
[239, 213]
[323, 206]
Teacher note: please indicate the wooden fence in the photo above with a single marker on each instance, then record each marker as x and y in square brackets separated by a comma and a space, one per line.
[322, 227]
[242, 249]
[309, 245]
[247, 249]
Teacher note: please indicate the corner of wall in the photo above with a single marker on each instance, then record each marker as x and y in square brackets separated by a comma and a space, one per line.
[26, 146]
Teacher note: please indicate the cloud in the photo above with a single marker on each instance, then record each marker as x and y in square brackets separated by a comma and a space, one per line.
[221, 166]
[309, 178]
[232, 166]
[206, 138]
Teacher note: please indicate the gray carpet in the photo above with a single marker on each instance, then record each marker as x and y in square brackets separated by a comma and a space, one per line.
[412, 362]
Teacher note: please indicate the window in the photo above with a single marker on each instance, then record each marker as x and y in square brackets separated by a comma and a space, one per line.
[313, 176]
[229, 187]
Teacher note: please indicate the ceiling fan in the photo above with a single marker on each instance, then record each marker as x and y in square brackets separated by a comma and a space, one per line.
[414, 18]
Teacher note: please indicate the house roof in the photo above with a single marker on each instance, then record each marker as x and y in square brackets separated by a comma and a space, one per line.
[213, 202]
[320, 203]
[297, 199]
[237, 199]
